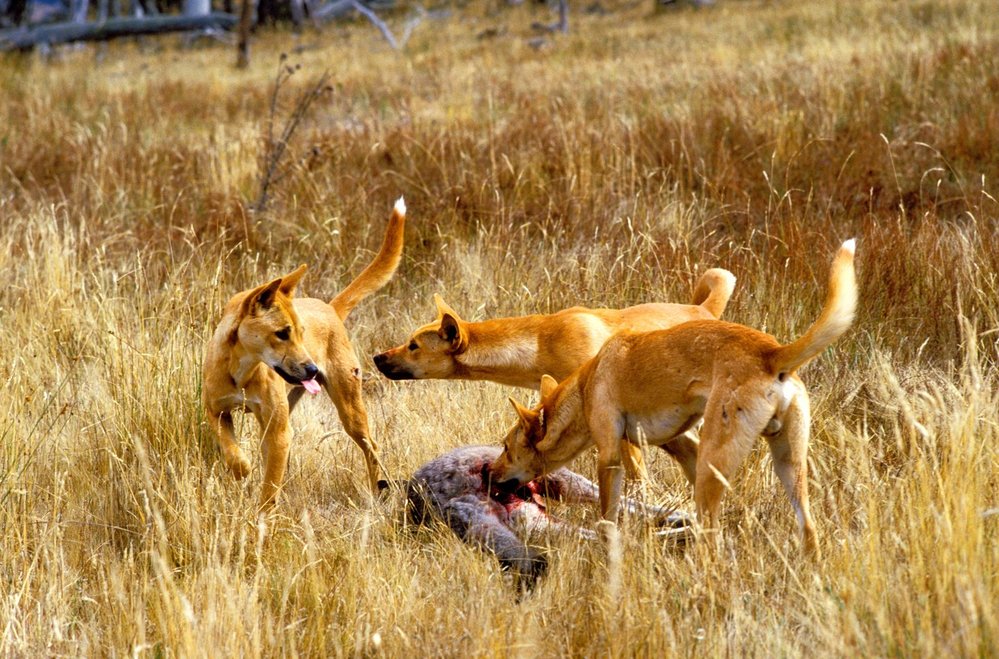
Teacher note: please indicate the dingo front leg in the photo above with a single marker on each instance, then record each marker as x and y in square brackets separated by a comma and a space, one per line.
[610, 477]
[607, 430]
[276, 440]
[232, 455]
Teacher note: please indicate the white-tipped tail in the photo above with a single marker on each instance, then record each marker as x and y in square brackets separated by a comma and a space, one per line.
[836, 317]
[381, 269]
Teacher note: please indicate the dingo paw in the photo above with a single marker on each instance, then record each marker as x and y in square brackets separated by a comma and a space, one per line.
[239, 466]
[607, 531]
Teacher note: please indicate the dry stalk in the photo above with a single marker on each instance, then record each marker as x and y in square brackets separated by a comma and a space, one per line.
[273, 169]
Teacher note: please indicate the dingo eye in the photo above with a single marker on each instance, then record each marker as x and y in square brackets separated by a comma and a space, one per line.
[412, 345]
[283, 334]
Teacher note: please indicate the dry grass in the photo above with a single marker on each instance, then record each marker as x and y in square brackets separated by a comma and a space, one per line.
[607, 168]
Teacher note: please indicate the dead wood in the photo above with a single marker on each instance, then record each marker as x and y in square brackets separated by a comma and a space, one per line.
[112, 28]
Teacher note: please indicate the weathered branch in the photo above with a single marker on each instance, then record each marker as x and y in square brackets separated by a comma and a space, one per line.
[56, 33]
[331, 10]
[338, 8]
[378, 23]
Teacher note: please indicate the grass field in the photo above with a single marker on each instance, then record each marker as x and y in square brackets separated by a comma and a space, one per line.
[606, 167]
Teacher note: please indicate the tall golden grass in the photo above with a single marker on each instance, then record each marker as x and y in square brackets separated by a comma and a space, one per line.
[607, 167]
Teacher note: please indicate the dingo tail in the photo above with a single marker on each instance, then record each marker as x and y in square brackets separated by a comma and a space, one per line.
[380, 270]
[835, 319]
[713, 290]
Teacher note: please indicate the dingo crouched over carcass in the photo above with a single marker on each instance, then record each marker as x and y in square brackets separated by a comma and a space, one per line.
[653, 386]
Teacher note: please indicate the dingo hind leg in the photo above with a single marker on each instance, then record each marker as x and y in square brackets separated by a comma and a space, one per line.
[731, 428]
[789, 450]
[343, 385]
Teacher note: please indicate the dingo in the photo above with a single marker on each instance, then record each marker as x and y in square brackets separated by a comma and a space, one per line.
[270, 348]
[658, 384]
[518, 351]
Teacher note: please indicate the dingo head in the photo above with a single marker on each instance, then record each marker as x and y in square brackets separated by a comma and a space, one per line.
[524, 455]
[269, 329]
[430, 351]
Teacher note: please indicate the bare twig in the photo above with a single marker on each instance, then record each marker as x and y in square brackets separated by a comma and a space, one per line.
[273, 172]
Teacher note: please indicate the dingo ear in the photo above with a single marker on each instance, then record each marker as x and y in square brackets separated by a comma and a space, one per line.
[444, 309]
[528, 418]
[548, 384]
[290, 281]
[262, 297]
[453, 332]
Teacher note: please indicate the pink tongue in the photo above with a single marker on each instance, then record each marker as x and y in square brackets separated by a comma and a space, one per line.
[311, 386]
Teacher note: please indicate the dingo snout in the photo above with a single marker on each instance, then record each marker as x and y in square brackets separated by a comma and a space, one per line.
[390, 367]
[297, 373]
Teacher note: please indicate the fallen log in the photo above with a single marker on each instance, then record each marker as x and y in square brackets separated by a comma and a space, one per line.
[55, 33]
